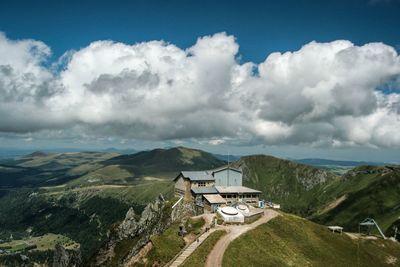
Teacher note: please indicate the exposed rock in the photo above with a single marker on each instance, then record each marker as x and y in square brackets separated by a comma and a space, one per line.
[183, 210]
[155, 218]
[129, 223]
[24, 257]
[66, 258]
[142, 253]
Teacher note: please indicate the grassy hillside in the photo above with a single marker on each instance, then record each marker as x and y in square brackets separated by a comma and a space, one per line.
[85, 221]
[366, 191]
[40, 169]
[166, 162]
[294, 186]
[199, 256]
[39, 243]
[292, 241]
[98, 168]
[83, 214]
[83, 195]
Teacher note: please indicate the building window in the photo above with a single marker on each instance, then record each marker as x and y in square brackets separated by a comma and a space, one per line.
[202, 184]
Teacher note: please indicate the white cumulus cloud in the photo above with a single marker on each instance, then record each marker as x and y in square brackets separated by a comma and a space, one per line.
[322, 94]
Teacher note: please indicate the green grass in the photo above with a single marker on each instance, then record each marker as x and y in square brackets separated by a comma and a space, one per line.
[292, 241]
[370, 192]
[194, 225]
[199, 256]
[111, 174]
[294, 186]
[165, 246]
[65, 159]
[142, 193]
[122, 250]
[44, 242]
[166, 163]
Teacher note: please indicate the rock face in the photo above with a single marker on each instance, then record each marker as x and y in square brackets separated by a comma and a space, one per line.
[66, 258]
[155, 218]
[182, 210]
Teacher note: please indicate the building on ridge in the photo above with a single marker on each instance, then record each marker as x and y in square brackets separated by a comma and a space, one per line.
[211, 189]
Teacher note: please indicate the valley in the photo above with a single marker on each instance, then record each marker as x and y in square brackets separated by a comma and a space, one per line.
[46, 195]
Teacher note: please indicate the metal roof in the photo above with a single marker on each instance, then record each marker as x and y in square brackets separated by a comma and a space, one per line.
[214, 199]
[205, 190]
[198, 175]
[224, 168]
[235, 189]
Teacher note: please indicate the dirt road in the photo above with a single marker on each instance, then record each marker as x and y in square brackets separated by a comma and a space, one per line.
[215, 257]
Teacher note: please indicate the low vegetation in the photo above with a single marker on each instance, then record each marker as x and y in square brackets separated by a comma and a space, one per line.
[165, 246]
[166, 163]
[81, 196]
[194, 225]
[366, 191]
[199, 256]
[288, 240]
[40, 243]
[86, 222]
[294, 186]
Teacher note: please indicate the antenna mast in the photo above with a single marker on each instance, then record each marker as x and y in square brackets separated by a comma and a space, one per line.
[228, 167]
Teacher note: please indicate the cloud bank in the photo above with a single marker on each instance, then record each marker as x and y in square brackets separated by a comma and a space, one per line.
[325, 94]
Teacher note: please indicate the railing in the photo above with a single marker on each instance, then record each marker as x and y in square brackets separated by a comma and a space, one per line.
[176, 203]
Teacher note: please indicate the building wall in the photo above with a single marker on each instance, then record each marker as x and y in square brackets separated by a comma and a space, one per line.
[182, 188]
[205, 183]
[247, 198]
[212, 207]
[221, 178]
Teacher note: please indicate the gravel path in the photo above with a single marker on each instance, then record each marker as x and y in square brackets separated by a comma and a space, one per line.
[215, 257]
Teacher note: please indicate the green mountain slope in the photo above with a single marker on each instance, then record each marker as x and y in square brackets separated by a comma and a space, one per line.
[166, 162]
[40, 169]
[366, 191]
[292, 241]
[90, 193]
[95, 168]
[295, 186]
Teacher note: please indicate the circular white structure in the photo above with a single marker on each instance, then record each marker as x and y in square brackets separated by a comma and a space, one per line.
[242, 207]
[229, 211]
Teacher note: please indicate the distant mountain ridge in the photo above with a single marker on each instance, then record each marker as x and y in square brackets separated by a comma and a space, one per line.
[345, 163]
[288, 183]
[75, 193]
[365, 191]
[166, 162]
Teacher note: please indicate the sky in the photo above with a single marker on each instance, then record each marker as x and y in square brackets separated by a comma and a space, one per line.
[295, 79]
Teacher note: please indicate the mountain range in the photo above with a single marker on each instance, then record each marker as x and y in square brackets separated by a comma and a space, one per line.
[83, 195]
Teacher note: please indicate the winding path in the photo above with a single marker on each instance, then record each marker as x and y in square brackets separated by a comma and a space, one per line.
[215, 257]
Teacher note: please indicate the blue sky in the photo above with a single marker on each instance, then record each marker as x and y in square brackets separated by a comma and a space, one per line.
[261, 27]
[216, 82]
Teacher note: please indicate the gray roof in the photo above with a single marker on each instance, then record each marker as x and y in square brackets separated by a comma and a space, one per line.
[224, 168]
[205, 190]
[198, 175]
[215, 199]
[236, 189]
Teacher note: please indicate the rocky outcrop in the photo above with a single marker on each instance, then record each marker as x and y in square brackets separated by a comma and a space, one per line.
[183, 210]
[155, 218]
[66, 258]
